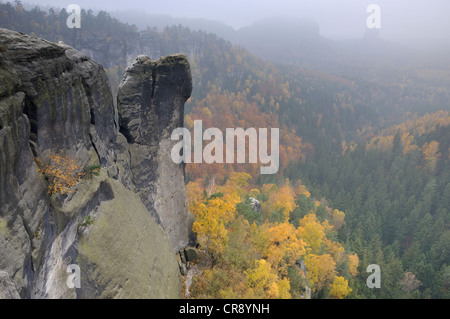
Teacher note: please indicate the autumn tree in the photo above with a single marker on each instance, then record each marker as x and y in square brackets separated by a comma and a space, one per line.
[353, 263]
[321, 270]
[61, 172]
[338, 219]
[284, 200]
[339, 289]
[265, 283]
[280, 201]
[313, 232]
[268, 252]
[284, 247]
[431, 154]
[211, 218]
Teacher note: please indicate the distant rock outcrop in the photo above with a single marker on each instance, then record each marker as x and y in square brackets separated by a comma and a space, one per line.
[123, 226]
[255, 205]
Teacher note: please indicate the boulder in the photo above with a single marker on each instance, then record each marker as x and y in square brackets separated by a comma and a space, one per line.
[191, 253]
[255, 205]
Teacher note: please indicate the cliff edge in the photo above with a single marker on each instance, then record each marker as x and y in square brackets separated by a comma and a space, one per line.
[126, 217]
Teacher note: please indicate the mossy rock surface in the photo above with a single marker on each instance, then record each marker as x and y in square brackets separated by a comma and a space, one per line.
[126, 254]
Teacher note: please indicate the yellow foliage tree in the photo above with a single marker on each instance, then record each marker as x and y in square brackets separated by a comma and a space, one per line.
[264, 281]
[321, 270]
[279, 199]
[272, 248]
[285, 199]
[302, 190]
[336, 250]
[313, 232]
[284, 247]
[353, 263]
[269, 189]
[338, 219]
[206, 112]
[236, 185]
[188, 121]
[339, 288]
[212, 217]
[254, 192]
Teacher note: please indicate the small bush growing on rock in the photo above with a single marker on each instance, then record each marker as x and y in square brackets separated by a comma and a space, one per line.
[87, 221]
[61, 173]
[90, 171]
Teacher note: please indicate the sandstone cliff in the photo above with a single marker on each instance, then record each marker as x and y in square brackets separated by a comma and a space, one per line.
[55, 99]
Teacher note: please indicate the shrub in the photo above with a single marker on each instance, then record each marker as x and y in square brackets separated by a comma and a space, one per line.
[61, 173]
[90, 171]
[87, 221]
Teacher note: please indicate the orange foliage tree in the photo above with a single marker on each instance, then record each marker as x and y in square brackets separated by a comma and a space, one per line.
[61, 172]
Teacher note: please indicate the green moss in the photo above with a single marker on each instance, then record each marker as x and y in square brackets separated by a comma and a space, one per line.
[4, 229]
[126, 252]
[7, 84]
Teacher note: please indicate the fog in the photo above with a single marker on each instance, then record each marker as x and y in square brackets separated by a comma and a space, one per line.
[418, 23]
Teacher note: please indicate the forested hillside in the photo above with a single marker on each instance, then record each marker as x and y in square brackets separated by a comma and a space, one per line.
[395, 190]
[364, 151]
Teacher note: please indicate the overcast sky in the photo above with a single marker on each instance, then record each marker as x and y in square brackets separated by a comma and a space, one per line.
[401, 20]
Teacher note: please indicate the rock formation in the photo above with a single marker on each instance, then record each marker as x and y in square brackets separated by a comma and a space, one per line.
[122, 226]
[255, 205]
[150, 102]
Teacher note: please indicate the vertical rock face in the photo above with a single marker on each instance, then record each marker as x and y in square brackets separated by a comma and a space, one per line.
[150, 102]
[120, 227]
[8, 288]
